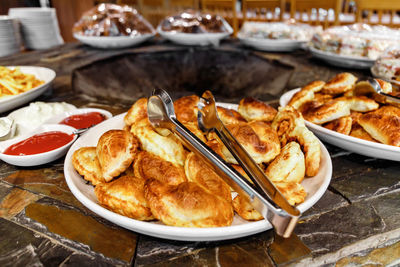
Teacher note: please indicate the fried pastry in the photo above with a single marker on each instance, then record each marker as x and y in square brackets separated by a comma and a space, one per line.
[137, 112]
[86, 164]
[288, 166]
[187, 205]
[186, 108]
[115, 151]
[229, 116]
[322, 98]
[258, 139]
[199, 172]
[384, 128]
[125, 196]
[293, 192]
[330, 111]
[360, 103]
[147, 165]
[388, 110]
[306, 94]
[359, 132]
[289, 124]
[255, 110]
[342, 125]
[339, 84]
[167, 147]
[354, 117]
[244, 209]
[194, 128]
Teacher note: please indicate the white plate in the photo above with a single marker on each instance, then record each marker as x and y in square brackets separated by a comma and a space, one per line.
[196, 38]
[45, 74]
[113, 41]
[342, 61]
[41, 158]
[315, 188]
[350, 143]
[273, 45]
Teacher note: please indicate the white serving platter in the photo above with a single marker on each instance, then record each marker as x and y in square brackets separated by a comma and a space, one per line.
[113, 42]
[350, 143]
[315, 188]
[272, 45]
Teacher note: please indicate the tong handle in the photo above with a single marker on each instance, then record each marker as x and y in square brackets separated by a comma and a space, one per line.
[391, 98]
[253, 170]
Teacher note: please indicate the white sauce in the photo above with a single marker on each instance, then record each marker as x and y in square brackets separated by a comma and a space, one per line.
[5, 126]
[32, 116]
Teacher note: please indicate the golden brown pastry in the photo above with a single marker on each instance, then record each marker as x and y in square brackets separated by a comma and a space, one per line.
[341, 125]
[167, 147]
[293, 192]
[197, 171]
[384, 128]
[339, 84]
[187, 205]
[359, 132]
[305, 94]
[354, 117]
[194, 128]
[86, 164]
[257, 138]
[289, 124]
[115, 151]
[137, 112]
[388, 110]
[186, 108]
[322, 98]
[229, 116]
[125, 196]
[329, 111]
[147, 165]
[244, 209]
[255, 110]
[360, 103]
[288, 166]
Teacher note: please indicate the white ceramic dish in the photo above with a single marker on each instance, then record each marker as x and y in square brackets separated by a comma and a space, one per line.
[315, 188]
[273, 45]
[37, 159]
[45, 74]
[350, 143]
[342, 61]
[58, 118]
[202, 39]
[112, 42]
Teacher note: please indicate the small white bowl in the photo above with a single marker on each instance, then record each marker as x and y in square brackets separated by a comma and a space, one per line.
[41, 158]
[58, 118]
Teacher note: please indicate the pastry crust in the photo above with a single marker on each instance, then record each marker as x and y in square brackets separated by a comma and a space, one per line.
[199, 172]
[229, 116]
[115, 151]
[342, 125]
[137, 113]
[187, 205]
[186, 108]
[330, 111]
[148, 165]
[86, 164]
[255, 110]
[388, 110]
[359, 132]
[339, 84]
[384, 128]
[306, 94]
[288, 166]
[289, 124]
[293, 192]
[125, 196]
[167, 147]
[244, 209]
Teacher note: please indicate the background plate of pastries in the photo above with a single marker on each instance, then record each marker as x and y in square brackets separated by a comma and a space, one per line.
[144, 179]
[347, 113]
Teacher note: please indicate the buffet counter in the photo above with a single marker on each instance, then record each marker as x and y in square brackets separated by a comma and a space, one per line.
[357, 221]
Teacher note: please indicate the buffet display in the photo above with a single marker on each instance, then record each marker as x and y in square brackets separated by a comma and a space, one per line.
[194, 28]
[112, 26]
[387, 66]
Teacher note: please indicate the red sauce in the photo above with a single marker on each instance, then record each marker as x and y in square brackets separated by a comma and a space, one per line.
[39, 143]
[84, 120]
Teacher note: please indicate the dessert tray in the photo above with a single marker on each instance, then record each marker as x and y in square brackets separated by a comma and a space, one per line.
[341, 60]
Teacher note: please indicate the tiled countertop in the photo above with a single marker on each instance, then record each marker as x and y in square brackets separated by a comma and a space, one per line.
[356, 222]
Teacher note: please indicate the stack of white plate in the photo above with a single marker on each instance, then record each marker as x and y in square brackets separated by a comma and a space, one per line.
[39, 27]
[9, 41]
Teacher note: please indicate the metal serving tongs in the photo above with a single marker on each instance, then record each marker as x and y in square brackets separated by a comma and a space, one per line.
[265, 198]
[378, 89]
